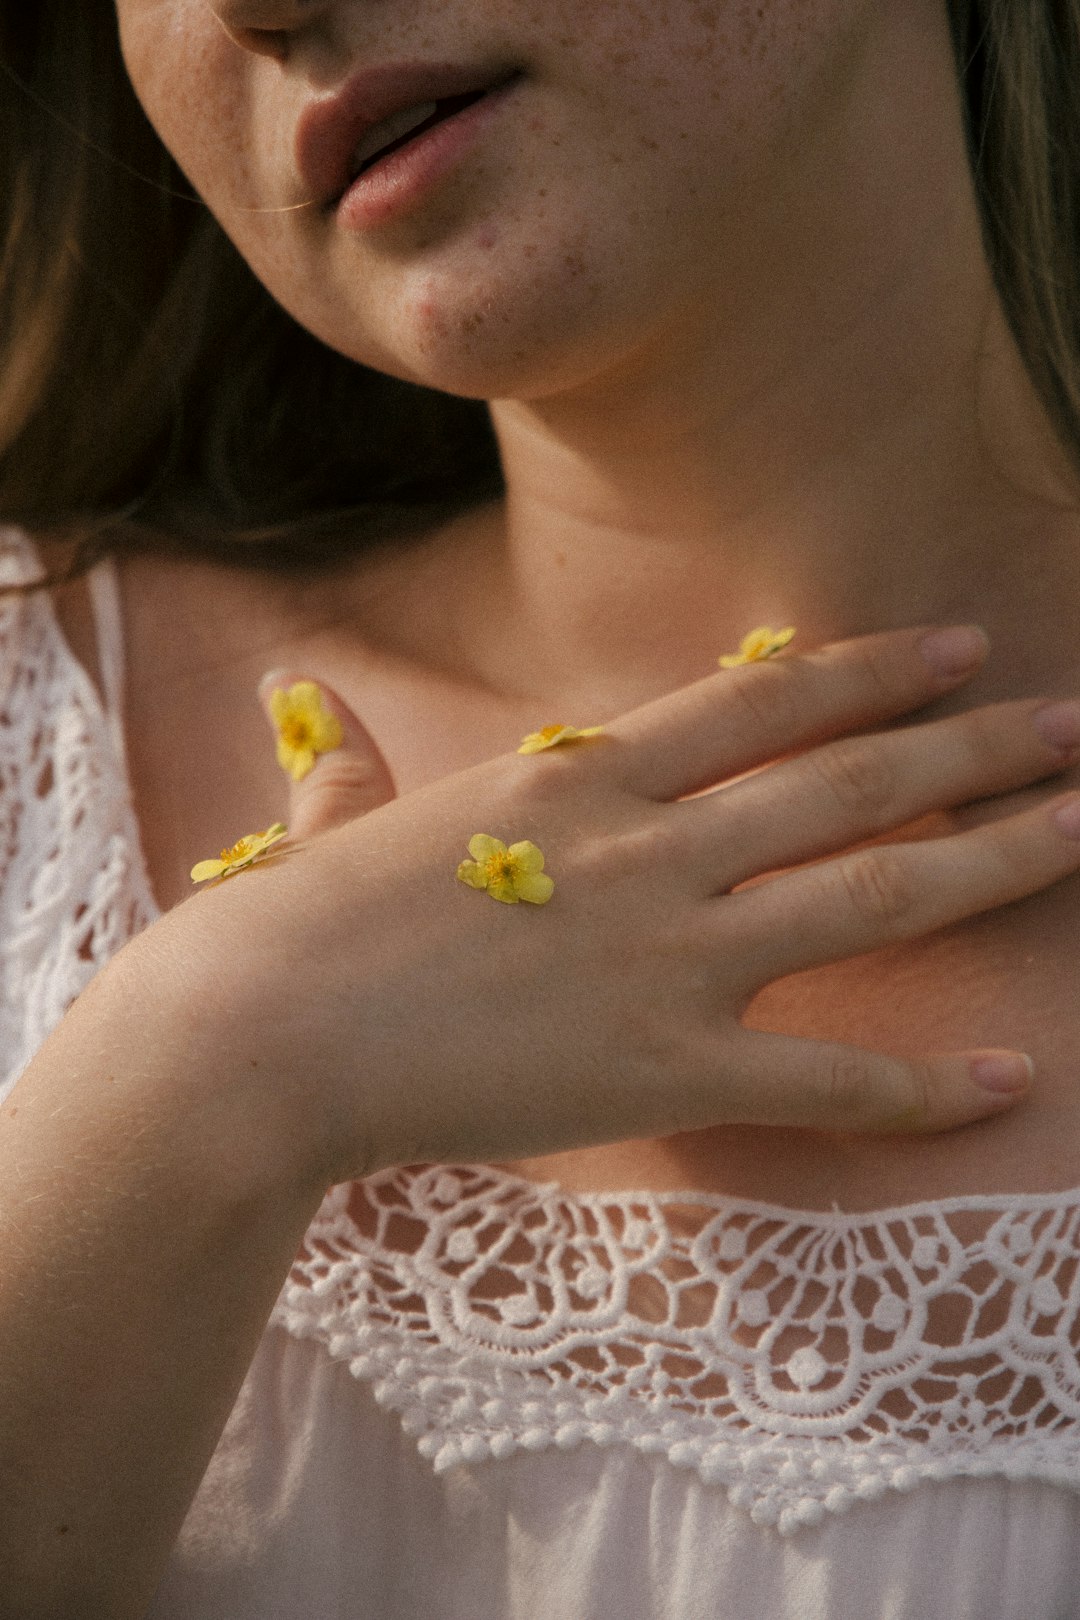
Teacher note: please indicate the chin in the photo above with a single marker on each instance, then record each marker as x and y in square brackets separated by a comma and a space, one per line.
[486, 347]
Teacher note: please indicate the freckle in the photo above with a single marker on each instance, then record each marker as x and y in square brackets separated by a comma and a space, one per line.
[254, 1062]
[62, 1529]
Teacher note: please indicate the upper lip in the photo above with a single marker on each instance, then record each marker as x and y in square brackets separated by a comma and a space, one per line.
[329, 130]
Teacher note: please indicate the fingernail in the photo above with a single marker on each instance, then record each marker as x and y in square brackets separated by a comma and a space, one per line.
[1003, 1072]
[1059, 725]
[272, 678]
[1067, 817]
[955, 651]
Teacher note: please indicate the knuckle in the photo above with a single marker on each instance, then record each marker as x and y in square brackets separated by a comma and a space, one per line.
[981, 737]
[878, 885]
[860, 777]
[768, 694]
[922, 1090]
[876, 668]
[336, 792]
[544, 778]
[349, 776]
[610, 857]
[843, 1085]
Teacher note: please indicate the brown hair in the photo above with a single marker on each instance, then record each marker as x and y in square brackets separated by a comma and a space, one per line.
[1019, 66]
[153, 394]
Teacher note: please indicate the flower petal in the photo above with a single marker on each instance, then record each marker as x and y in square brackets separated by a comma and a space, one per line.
[327, 733]
[205, 870]
[503, 888]
[299, 762]
[758, 644]
[551, 736]
[536, 887]
[472, 874]
[482, 846]
[526, 857]
[262, 841]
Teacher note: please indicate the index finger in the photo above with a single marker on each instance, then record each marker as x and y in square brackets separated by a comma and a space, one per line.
[744, 717]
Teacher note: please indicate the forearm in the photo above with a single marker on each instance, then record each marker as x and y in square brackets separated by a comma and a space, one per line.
[151, 1204]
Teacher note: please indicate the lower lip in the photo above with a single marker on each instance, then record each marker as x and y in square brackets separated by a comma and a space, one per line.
[399, 182]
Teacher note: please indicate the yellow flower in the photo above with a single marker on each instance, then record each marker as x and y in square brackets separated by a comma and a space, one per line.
[305, 728]
[240, 855]
[549, 736]
[507, 874]
[761, 643]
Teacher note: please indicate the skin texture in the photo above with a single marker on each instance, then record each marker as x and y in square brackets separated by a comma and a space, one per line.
[743, 376]
[719, 274]
[720, 277]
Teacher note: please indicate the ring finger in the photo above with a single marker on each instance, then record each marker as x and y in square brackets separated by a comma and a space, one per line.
[836, 795]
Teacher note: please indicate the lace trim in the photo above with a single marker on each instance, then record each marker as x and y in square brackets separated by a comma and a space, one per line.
[73, 885]
[803, 1361]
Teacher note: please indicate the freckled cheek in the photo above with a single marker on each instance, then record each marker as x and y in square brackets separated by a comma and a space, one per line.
[199, 101]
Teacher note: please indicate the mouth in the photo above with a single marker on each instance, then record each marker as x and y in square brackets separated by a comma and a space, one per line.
[377, 113]
[397, 131]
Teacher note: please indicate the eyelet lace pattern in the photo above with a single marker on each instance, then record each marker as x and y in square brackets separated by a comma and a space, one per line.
[802, 1361]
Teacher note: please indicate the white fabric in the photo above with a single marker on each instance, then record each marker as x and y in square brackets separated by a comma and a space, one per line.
[482, 1397]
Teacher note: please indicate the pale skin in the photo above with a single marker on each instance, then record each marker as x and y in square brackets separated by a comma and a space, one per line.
[693, 447]
[810, 414]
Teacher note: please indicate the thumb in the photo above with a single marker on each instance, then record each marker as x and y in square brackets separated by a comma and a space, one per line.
[336, 771]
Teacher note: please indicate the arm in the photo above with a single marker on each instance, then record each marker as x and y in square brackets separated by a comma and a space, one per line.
[153, 1197]
[352, 1006]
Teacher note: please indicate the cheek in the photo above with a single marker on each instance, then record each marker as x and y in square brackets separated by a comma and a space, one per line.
[192, 85]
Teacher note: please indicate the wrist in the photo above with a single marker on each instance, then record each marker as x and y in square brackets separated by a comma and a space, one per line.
[171, 1017]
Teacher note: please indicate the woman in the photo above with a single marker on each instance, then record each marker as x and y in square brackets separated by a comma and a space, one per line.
[719, 276]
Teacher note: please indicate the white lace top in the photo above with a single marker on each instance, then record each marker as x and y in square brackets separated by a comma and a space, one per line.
[479, 1398]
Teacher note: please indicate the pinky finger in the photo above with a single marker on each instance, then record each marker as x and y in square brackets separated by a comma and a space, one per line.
[789, 1080]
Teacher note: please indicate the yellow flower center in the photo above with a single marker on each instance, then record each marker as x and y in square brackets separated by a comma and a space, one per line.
[238, 851]
[296, 731]
[547, 732]
[501, 866]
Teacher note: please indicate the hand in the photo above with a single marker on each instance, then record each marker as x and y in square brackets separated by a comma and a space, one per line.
[417, 1020]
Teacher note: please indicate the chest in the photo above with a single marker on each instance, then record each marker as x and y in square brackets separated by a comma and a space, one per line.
[203, 773]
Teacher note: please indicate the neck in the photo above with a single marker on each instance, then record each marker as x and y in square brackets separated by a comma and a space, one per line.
[834, 432]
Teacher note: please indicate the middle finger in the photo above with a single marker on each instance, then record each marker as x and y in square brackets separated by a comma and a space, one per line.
[838, 794]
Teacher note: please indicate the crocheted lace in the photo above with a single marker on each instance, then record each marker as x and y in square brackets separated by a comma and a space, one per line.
[73, 885]
[803, 1361]
[800, 1361]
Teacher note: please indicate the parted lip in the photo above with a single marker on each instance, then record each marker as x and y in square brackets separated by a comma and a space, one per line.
[329, 130]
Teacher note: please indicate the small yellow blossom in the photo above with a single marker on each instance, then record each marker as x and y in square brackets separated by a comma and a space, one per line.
[760, 643]
[242, 854]
[549, 736]
[507, 874]
[305, 727]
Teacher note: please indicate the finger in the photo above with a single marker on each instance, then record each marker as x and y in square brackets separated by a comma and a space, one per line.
[788, 1080]
[891, 892]
[740, 718]
[859, 787]
[335, 769]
